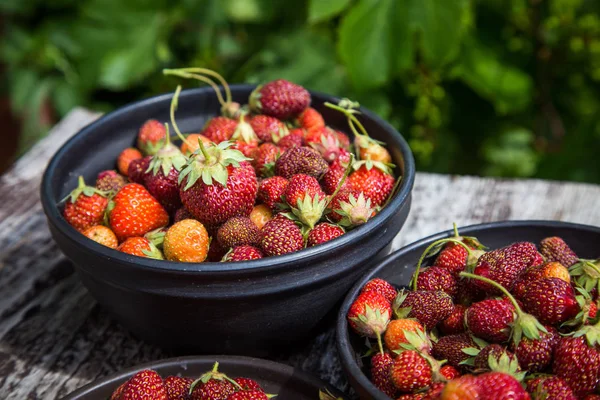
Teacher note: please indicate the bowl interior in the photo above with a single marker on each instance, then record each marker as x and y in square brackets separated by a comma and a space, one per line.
[283, 380]
[399, 266]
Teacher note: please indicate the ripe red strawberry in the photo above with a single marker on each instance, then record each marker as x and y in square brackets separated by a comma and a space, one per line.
[555, 249]
[116, 395]
[301, 160]
[217, 184]
[145, 385]
[453, 257]
[381, 364]
[369, 314]
[248, 149]
[289, 141]
[492, 357]
[343, 140]
[328, 145]
[177, 387]
[455, 323]
[301, 186]
[216, 251]
[248, 384]
[281, 236]
[141, 247]
[578, 364]
[85, 206]
[491, 319]
[437, 278]
[535, 355]
[466, 387]
[126, 157]
[138, 169]
[162, 177]
[322, 233]
[311, 118]
[136, 212]
[268, 129]
[213, 385]
[451, 348]
[243, 253]
[151, 137]
[271, 190]
[110, 181]
[501, 386]
[333, 176]
[382, 287]
[449, 372]
[219, 129]
[551, 300]
[547, 270]
[374, 183]
[264, 158]
[549, 387]
[238, 231]
[248, 395]
[428, 307]
[280, 99]
[411, 371]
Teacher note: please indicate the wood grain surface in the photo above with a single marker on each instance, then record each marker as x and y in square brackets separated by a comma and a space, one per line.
[54, 338]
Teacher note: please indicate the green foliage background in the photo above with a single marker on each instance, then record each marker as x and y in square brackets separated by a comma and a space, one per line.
[487, 87]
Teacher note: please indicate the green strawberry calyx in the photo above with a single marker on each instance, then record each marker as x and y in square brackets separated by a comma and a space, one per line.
[327, 395]
[308, 211]
[586, 274]
[372, 323]
[88, 191]
[213, 374]
[417, 340]
[154, 252]
[524, 323]
[356, 211]
[254, 99]
[244, 131]
[169, 156]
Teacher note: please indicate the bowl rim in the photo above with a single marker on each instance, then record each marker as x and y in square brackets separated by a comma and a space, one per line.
[266, 264]
[344, 347]
[259, 363]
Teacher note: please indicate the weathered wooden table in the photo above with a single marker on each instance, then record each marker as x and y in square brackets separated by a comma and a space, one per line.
[54, 338]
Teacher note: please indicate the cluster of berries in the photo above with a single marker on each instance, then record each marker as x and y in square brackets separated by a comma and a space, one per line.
[518, 322]
[263, 179]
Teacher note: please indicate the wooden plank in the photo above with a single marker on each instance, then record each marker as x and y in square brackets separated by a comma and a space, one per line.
[54, 338]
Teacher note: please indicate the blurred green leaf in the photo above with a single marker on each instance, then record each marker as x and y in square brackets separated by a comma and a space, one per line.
[511, 154]
[319, 10]
[252, 11]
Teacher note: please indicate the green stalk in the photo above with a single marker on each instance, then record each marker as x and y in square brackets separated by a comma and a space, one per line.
[187, 75]
[428, 249]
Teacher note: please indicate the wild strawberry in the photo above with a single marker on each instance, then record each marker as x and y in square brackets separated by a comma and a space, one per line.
[243, 253]
[281, 236]
[136, 212]
[585, 275]
[138, 169]
[351, 209]
[343, 140]
[103, 235]
[547, 270]
[238, 231]
[217, 184]
[141, 247]
[271, 190]
[437, 278]
[161, 178]
[248, 384]
[177, 387]
[466, 387]
[322, 233]
[451, 348]
[182, 214]
[110, 181]
[280, 99]
[374, 183]
[490, 319]
[116, 395]
[268, 129]
[449, 372]
[505, 265]
[396, 331]
[551, 300]
[289, 141]
[244, 138]
[453, 257]
[495, 357]
[549, 387]
[578, 363]
[216, 251]
[428, 307]
[555, 249]
[311, 118]
[501, 386]
[304, 195]
[371, 149]
[186, 241]
[264, 158]
[260, 215]
[248, 395]
[126, 157]
[190, 145]
[151, 137]
[381, 286]
[328, 145]
[333, 176]
[411, 371]
[219, 129]
[381, 364]
[535, 355]
[301, 160]
[212, 385]
[85, 206]
[145, 385]
[455, 322]
[369, 314]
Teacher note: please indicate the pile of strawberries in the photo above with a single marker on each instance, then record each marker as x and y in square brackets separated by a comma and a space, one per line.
[518, 322]
[262, 179]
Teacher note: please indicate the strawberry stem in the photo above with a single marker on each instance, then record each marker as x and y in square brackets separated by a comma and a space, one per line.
[184, 74]
[456, 235]
[204, 152]
[426, 253]
[341, 182]
[214, 74]
[497, 286]
[352, 120]
[174, 105]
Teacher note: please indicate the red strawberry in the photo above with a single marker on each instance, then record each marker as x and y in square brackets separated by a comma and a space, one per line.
[466, 387]
[271, 190]
[248, 395]
[145, 385]
[369, 314]
[322, 233]
[141, 247]
[243, 253]
[495, 357]
[343, 140]
[411, 371]
[491, 319]
[85, 206]
[551, 300]
[281, 236]
[535, 355]
[328, 145]
[216, 251]
[219, 129]
[501, 386]
[248, 384]
[280, 99]
[547, 270]
[301, 160]
[151, 137]
[217, 184]
[116, 395]
[453, 257]
[451, 348]
[333, 176]
[578, 364]
[238, 231]
[212, 385]
[177, 387]
[549, 387]
[381, 364]
[182, 214]
[311, 118]
[110, 181]
[455, 323]
[289, 141]
[138, 170]
[427, 306]
[374, 183]
[307, 200]
[437, 278]
[555, 249]
[268, 129]
[264, 158]
[449, 372]
[136, 212]
[350, 208]
[244, 137]
[126, 157]
[382, 287]
[162, 176]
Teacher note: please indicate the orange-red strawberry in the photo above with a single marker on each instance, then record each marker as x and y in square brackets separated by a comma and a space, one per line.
[449, 372]
[555, 249]
[268, 129]
[280, 99]
[281, 236]
[136, 212]
[243, 253]
[427, 306]
[311, 118]
[411, 371]
[103, 235]
[369, 314]
[190, 144]
[177, 387]
[145, 385]
[535, 355]
[260, 215]
[381, 364]
[301, 160]
[110, 181]
[141, 247]
[455, 322]
[85, 206]
[343, 140]
[327, 145]
[551, 300]
[126, 157]
[219, 129]
[151, 137]
[238, 231]
[264, 158]
[212, 385]
[322, 233]
[465, 387]
[550, 387]
[437, 278]
[381, 286]
[395, 334]
[186, 241]
[374, 183]
[271, 190]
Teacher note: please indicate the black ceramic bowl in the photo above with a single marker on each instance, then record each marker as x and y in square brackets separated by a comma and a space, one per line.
[285, 381]
[399, 266]
[248, 308]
